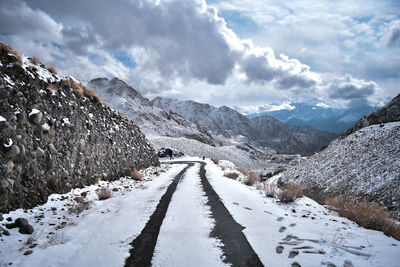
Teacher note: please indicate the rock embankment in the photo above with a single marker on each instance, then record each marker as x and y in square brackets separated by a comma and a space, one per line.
[55, 135]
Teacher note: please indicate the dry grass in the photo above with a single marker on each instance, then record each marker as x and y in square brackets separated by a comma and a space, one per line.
[242, 171]
[367, 214]
[252, 178]
[123, 114]
[35, 61]
[91, 93]
[104, 103]
[7, 49]
[78, 205]
[232, 175]
[135, 174]
[52, 69]
[104, 193]
[270, 190]
[290, 192]
[52, 87]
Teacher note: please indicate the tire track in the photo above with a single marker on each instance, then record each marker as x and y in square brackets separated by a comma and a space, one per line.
[143, 246]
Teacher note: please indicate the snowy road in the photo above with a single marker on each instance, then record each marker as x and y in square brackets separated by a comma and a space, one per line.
[192, 227]
[189, 213]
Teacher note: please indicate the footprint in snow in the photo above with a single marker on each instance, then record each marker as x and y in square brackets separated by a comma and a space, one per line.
[235, 203]
[348, 263]
[248, 208]
[293, 254]
[279, 249]
[282, 229]
[292, 225]
[295, 264]
[279, 219]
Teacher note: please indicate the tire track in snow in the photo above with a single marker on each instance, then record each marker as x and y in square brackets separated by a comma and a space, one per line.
[143, 246]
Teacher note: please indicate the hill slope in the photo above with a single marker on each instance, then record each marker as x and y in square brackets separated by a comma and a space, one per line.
[150, 118]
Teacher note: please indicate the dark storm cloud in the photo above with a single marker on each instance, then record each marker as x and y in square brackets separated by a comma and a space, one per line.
[350, 88]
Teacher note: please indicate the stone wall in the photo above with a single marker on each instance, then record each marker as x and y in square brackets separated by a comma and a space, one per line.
[54, 138]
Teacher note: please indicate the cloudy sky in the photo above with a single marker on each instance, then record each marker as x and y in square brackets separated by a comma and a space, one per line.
[240, 53]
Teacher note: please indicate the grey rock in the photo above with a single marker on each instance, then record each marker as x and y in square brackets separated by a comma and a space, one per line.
[39, 152]
[36, 118]
[14, 151]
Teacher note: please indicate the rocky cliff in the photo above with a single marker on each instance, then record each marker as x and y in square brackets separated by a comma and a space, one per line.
[56, 134]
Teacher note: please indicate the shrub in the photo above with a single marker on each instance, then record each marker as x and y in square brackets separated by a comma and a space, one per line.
[242, 171]
[232, 175]
[290, 192]
[91, 93]
[252, 178]
[123, 114]
[135, 174]
[52, 69]
[35, 61]
[367, 214]
[270, 190]
[7, 49]
[51, 87]
[80, 204]
[104, 193]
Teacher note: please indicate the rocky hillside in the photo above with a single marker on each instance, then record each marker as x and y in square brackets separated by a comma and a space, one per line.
[303, 140]
[388, 113]
[364, 164]
[263, 131]
[150, 118]
[56, 134]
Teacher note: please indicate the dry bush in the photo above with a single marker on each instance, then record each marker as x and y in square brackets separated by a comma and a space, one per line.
[242, 171]
[52, 88]
[80, 204]
[7, 49]
[104, 103]
[52, 69]
[123, 114]
[232, 175]
[35, 61]
[367, 214]
[91, 93]
[252, 178]
[135, 174]
[104, 193]
[290, 192]
[270, 190]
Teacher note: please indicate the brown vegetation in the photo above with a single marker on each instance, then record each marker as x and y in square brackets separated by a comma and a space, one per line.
[135, 174]
[232, 175]
[52, 69]
[79, 204]
[290, 192]
[7, 49]
[252, 178]
[51, 87]
[242, 171]
[367, 214]
[104, 193]
[35, 61]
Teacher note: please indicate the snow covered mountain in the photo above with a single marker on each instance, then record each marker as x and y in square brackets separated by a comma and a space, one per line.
[223, 121]
[150, 118]
[319, 116]
[263, 131]
[363, 163]
[305, 140]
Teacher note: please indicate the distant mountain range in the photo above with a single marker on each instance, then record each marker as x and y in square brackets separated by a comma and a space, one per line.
[262, 132]
[335, 120]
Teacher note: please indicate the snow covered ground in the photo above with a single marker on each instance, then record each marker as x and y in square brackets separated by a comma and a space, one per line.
[99, 236]
[302, 232]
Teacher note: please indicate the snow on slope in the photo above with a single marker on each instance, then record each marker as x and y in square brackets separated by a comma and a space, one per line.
[100, 236]
[365, 164]
[302, 232]
[150, 118]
